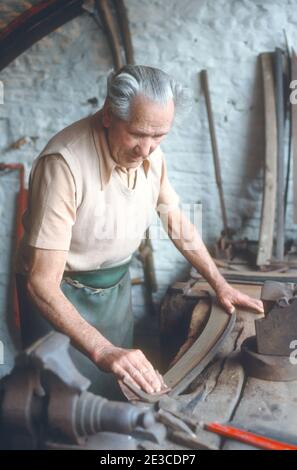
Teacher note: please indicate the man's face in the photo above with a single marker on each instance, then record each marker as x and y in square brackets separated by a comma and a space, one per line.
[130, 142]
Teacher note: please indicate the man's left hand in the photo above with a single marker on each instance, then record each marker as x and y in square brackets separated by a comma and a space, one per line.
[230, 298]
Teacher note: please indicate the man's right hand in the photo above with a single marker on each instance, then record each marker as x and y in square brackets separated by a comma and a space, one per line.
[132, 365]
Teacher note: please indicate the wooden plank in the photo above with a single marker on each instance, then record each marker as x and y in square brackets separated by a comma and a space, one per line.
[279, 101]
[201, 352]
[294, 136]
[270, 171]
[221, 384]
[252, 277]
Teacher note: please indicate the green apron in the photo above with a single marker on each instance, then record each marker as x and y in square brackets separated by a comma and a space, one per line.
[103, 299]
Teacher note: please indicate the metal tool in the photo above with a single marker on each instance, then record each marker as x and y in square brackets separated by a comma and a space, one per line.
[247, 437]
[44, 403]
[276, 331]
[267, 355]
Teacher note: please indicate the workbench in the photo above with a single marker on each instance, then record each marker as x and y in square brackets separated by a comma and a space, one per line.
[224, 393]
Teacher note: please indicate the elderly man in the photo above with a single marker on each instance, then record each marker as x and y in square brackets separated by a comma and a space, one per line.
[92, 193]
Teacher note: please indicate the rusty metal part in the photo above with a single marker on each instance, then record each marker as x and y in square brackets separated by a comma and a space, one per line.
[270, 171]
[278, 330]
[203, 350]
[111, 32]
[266, 367]
[19, 143]
[136, 281]
[267, 355]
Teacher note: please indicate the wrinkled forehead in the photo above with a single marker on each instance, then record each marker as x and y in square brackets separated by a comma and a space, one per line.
[145, 112]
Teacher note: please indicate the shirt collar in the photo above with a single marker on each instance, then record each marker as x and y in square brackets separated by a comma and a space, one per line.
[106, 162]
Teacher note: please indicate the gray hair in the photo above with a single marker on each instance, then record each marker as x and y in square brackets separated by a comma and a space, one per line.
[139, 80]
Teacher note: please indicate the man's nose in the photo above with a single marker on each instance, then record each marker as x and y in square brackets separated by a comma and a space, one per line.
[144, 147]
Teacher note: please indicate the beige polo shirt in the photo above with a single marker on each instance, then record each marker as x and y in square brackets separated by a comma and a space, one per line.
[82, 202]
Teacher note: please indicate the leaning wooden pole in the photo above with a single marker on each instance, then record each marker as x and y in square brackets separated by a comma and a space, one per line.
[124, 30]
[294, 130]
[280, 215]
[265, 247]
[111, 31]
[214, 145]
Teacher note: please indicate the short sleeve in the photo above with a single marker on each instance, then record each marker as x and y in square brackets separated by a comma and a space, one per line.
[51, 211]
[168, 198]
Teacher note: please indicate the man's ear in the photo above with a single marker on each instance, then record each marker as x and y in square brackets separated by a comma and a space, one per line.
[106, 117]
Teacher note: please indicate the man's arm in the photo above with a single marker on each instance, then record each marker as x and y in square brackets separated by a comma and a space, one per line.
[188, 241]
[44, 278]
